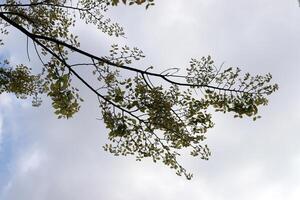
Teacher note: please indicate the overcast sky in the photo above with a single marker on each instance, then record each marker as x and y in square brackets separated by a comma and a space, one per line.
[42, 157]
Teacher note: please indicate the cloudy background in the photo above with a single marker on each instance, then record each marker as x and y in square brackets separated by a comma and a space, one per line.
[42, 157]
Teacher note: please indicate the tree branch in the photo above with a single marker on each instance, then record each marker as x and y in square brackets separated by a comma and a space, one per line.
[103, 60]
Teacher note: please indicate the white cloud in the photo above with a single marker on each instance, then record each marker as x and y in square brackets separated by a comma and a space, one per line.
[5, 100]
[63, 159]
[1, 131]
[31, 162]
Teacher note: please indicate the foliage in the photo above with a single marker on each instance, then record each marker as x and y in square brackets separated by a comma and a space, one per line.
[144, 117]
[21, 82]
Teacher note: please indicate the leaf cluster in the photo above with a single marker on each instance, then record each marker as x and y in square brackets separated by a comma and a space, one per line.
[21, 82]
[148, 113]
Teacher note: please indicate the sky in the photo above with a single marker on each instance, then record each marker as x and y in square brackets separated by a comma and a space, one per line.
[42, 157]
